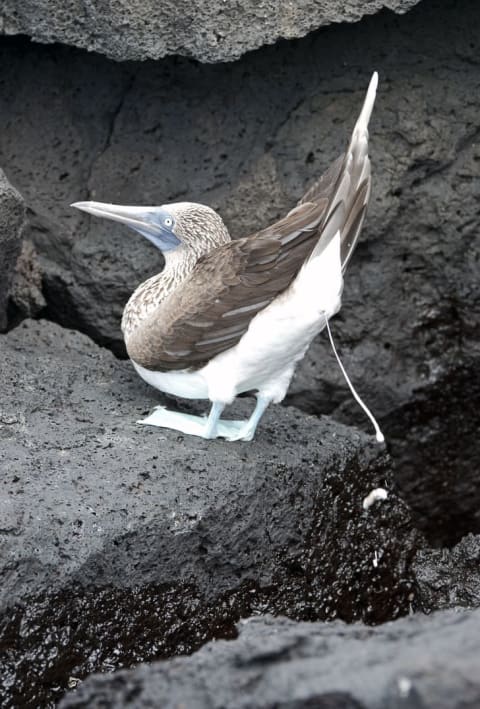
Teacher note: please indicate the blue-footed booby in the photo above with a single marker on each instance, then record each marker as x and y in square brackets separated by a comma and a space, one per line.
[225, 317]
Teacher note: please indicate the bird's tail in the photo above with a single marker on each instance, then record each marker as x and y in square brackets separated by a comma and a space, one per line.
[348, 198]
[347, 187]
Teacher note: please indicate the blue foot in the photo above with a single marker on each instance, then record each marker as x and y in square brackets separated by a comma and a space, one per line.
[208, 427]
[193, 425]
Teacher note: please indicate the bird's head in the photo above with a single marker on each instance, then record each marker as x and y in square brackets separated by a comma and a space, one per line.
[181, 225]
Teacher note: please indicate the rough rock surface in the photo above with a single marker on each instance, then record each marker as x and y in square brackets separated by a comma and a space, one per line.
[436, 448]
[12, 219]
[80, 474]
[416, 663]
[97, 511]
[449, 577]
[209, 30]
[26, 296]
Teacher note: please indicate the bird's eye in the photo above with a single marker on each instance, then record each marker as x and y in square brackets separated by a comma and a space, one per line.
[168, 222]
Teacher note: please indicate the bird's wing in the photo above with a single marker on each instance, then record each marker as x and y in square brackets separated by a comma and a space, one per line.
[323, 187]
[214, 306]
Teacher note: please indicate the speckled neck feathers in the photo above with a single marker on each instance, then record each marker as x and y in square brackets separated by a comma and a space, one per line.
[201, 231]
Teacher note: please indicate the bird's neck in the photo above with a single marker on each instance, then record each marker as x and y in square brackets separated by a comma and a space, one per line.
[148, 296]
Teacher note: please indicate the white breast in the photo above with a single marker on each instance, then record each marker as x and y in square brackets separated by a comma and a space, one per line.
[187, 385]
[275, 341]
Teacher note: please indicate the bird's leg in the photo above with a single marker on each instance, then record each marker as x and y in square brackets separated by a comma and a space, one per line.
[247, 430]
[210, 428]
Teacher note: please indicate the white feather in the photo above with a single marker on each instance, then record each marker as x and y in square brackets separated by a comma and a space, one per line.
[277, 338]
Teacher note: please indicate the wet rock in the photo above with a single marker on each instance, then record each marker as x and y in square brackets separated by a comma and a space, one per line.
[209, 31]
[107, 525]
[417, 662]
[449, 577]
[12, 218]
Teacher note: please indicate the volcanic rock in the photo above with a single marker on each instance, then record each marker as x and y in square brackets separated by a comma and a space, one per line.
[447, 578]
[421, 662]
[112, 526]
[12, 218]
[208, 30]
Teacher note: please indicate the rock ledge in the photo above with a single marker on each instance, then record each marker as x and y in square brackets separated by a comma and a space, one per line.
[210, 31]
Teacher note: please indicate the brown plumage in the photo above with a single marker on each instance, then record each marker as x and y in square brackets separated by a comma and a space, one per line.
[229, 285]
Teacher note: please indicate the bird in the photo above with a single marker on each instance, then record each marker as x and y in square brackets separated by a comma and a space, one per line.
[228, 316]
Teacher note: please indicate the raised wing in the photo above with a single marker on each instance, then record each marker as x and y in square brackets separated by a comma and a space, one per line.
[227, 288]
[216, 303]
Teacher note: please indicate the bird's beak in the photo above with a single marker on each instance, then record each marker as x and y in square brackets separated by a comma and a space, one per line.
[142, 219]
[131, 216]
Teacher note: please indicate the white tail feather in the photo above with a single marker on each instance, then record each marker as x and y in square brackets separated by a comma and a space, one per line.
[356, 171]
[361, 125]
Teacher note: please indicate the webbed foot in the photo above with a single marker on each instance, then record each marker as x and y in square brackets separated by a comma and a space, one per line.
[202, 426]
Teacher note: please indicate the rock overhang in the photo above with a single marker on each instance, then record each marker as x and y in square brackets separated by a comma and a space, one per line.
[206, 30]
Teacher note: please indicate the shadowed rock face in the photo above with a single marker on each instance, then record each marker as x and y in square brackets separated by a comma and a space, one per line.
[450, 577]
[12, 221]
[208, 30]
[26, 296]
[425, 662]
[435, 445]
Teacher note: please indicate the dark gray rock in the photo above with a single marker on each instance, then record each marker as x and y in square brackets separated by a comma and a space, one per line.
[92, 497]
[449, 577]
[434, 442]
[209, 30]
[106, 524]
[413, 663]
[26, 295]
[12, 219]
